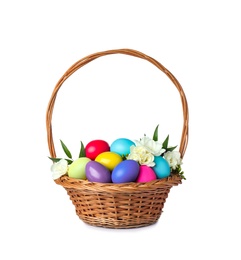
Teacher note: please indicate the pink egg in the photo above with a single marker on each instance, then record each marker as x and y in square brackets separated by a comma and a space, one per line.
[146, 174]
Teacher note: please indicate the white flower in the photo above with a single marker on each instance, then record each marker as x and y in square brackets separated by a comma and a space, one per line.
[151, 146]
[173, 158]
[59, 168]
[141, 155]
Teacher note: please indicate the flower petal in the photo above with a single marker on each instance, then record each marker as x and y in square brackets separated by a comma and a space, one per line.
[59, 168]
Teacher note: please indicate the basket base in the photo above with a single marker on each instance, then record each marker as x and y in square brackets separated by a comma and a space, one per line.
[115, 224]
[128, 205]
[127, 210]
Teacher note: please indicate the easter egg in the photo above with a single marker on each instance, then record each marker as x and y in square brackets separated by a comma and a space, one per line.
[109, 159]
[95, 147]
[161, 168]
[121, 146]
[126, 171]
[77, 168]
[96, 172]
[146, 174]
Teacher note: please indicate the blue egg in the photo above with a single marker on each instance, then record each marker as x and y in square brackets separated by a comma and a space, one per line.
[121, 146]
[126, 171]
[161, 168]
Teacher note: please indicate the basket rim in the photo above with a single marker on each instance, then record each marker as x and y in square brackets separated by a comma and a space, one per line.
[78, 184]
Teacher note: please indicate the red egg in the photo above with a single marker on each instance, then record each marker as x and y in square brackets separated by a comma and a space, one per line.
[95, 147]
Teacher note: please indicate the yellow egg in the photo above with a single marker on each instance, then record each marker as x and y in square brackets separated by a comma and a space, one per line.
[109, 159]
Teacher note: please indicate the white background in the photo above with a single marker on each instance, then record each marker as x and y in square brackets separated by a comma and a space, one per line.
[199, 42]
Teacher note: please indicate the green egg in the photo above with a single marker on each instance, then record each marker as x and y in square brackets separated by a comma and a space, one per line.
[77, 168]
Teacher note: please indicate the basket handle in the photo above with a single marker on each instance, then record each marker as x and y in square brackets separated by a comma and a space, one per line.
[89, 58]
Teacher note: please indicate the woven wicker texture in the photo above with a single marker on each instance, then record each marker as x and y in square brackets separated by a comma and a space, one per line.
[111, 205]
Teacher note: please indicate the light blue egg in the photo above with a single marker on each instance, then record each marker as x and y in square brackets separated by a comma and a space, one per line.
[161, 168]
[121, 146]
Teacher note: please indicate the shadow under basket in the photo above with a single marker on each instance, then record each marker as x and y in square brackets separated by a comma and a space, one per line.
[126, 205]
[111, 205]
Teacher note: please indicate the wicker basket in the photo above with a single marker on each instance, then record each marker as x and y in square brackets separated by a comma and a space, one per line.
[126, 205]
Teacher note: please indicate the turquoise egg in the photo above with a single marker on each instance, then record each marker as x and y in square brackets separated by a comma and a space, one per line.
[161, 168]
[121, 146]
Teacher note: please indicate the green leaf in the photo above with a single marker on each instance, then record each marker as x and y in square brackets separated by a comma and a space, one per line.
[180, 172]
[155, 135]
[55, 159]
[171, 148]
[124, 157]
[66, 150]
[82, 150]
[58, 159]
[69, 161]
[165, 143]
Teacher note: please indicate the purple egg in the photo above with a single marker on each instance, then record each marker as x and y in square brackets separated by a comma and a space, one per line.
[96, 172]
[126, 171]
